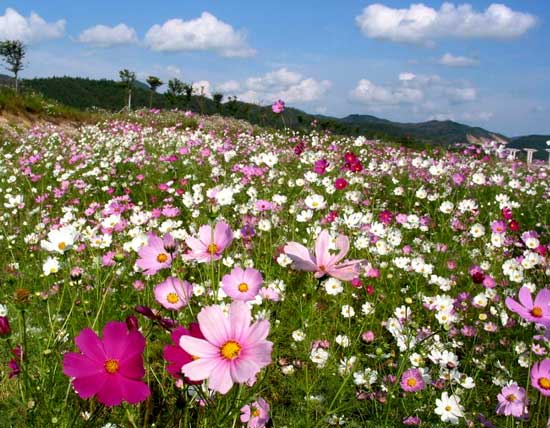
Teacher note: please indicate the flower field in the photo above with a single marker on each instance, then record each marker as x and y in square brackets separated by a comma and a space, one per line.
[202, 274]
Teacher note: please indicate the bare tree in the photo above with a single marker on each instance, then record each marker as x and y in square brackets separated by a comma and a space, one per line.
[14, 52]
[128, 78]
[154, 82]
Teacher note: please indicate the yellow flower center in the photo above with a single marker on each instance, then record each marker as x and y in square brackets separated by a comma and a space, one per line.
[448, 408]
[111, 366]
[322, 268]
[213, 249]
[61, 246]
[172, 298]
[162, 257]
[195, 358]
[536, 312]
[544, 383]
[230, 350]
[243, 287]
[511, 398]
[411, 382]
[255, 412]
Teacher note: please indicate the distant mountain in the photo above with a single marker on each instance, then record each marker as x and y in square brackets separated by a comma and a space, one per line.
[110, 95]
[445, 131]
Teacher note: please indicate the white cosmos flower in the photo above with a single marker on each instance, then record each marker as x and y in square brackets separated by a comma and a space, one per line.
[449, 408]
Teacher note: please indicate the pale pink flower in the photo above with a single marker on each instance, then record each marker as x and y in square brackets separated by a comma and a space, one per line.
[210, 244]
[233, 350]
[323, 262]
[242, 284]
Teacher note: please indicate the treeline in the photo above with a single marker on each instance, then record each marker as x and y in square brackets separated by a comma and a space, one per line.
[86, 94]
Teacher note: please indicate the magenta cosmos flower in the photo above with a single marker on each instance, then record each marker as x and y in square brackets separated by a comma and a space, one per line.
[173, 293]
[233, 351]
[210, 244]
[512, 401]
[537, 311]
[177, 357]
[242, 284]
[540, 376]
[255, 415]
[111, 368]
[412, 381]
[323, 262]
[278, 106]
[157, 254]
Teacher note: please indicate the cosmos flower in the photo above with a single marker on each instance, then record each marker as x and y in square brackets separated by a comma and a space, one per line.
[540, 376]
[156, 255]
[176, 356]
[60, 240]
[323, 262]
[412, 381]
[255, 415]
[512, 401]
[210, 244]
[110, 368]
[278, 106]
[449, 408]
[173, 293]
[242, 284]
[537, 311]
[233, 351]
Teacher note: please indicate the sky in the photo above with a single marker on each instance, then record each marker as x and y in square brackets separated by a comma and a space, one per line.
[481, 63]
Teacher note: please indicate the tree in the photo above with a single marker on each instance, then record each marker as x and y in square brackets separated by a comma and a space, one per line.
[14, 52]
[175, 91]
[217, 97]
[188, 89]
[128, 78]
[154, 82]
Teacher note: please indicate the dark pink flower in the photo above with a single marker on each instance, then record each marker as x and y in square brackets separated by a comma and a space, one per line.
[176, 356]
[278, 106]
[412, 381]
[110, 368]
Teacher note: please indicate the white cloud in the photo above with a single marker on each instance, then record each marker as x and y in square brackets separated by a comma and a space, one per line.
[202, 87]
[103, 36]
[416, 93]
[423, 24]
[173, 70]
[370, 93]
[14, 26]
[229, 87]
[283, 84]
[457, 61]
[483, 116]
[204, 33]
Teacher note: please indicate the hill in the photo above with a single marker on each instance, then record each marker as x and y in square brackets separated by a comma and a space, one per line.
[110, 95]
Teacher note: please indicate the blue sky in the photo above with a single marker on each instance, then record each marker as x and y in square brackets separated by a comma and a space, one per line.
[481, 63]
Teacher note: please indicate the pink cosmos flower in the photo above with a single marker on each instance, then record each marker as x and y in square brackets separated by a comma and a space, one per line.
[176, 356]
[242, 284]
[111, 368]
[210, 244]
[512, 401]
[255, 415]
[323, 262]
[233, 351]
[278, 106]
[173, 293]
[156, 255]
[537, 311]
[540, 376]
[412, 381]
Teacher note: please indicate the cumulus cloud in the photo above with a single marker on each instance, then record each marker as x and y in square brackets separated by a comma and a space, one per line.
[417, 93]
[230, 87]
[422, 24]
[370, 93]
[202, 87]
[450, 60]
[174, 70]
[283, 84]
[204, 33]
[14, 26]
[103, 36]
